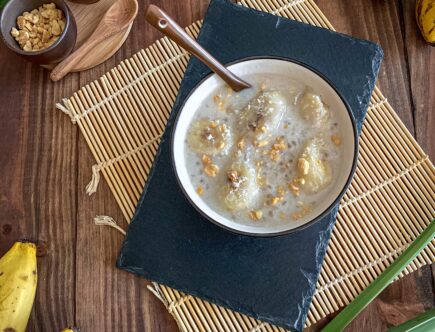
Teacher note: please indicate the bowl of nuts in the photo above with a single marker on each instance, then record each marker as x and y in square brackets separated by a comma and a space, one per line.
[40, 31]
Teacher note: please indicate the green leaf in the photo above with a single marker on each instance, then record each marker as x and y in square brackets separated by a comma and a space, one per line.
[385, 278]
[422, 323]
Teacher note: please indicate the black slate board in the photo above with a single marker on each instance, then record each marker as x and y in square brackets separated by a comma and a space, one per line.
[168, 241]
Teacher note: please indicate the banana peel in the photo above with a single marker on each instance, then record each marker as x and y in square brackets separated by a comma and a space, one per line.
[71, 329]
[18, 279]
[425, 16]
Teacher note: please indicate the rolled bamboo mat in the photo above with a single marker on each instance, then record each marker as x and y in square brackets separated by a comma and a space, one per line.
[390, 201]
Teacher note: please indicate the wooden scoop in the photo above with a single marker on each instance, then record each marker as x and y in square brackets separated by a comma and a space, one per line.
[160, 20]
[116, 19]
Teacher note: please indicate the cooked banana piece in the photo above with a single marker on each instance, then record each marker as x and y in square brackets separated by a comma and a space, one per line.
[241, 189]
[314, 173]
[263, 114]
[312, 108]
[210, 137]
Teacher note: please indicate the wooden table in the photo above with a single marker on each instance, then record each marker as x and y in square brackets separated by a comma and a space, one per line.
[45, 165]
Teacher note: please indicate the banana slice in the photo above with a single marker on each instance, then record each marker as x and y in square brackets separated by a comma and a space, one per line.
[210, 137]
[312, 108]
[313, 172]
[263, 114]
[241, 189]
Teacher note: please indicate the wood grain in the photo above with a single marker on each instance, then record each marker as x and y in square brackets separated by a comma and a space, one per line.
[87, 18]
[45, 164]
[421, 64]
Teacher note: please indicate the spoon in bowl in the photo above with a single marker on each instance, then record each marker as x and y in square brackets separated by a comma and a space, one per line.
[117, 18]
[160, 20]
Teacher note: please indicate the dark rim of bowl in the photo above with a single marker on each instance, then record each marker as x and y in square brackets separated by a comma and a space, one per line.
[312, 221]
[19, 50]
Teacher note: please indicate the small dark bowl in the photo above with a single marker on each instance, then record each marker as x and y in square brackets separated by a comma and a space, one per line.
[53, 54]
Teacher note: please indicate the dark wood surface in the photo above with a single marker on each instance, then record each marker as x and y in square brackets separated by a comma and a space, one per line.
[45, 165]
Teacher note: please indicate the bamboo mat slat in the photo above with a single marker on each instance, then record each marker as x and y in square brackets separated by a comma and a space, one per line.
[390, 201]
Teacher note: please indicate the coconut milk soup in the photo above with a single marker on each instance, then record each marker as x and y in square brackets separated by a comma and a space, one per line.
[266, 153]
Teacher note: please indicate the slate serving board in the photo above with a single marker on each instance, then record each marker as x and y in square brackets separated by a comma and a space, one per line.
[168, 241]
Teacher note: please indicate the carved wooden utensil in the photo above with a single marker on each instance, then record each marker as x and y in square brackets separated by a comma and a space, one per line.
[160, 20]
[116, 19]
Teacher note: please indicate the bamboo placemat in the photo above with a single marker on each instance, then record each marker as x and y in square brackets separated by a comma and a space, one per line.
[390, 201]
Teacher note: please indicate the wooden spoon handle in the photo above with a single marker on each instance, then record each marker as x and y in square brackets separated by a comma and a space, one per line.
[160, 20]
[71, 61]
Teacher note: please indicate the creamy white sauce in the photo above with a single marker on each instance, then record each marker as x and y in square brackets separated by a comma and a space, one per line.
[296, 130]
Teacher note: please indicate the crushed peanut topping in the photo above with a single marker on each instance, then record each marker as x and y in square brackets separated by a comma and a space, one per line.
[222, 128]
[216, 99]
[306, 209]
[285, 125]
[200, 190]
[40, 28]
[255, 214]
[294, 188]
[260, 143]
[232, 175]
[263, 86]
[213, 124]
[277, 148]
[275, 200]
[336, 140]
[205, 159]
[211, 170]
[274, 155]
[281, 191]
[241, 144]
[303, 166]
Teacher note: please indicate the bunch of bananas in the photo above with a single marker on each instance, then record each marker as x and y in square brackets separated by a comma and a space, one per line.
[18, 279]
[425, 15]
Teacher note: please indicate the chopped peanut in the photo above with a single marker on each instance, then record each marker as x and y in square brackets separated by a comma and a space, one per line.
[301, 212]
[294, 188]
[279, 146]
[199, 190]
[336, 140]
[275, 200]
[303, 166]
[256, 214]
[241, 144]
[274, 155]
[205, 159]
[211, 170]
[40, 28]
[232, 175]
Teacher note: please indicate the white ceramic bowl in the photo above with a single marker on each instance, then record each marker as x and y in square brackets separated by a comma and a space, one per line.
[296, 71]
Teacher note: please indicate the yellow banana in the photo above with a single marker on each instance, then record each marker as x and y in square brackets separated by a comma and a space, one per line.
[425, 15]
[18, 279]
